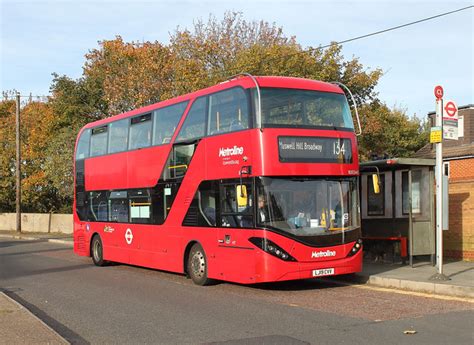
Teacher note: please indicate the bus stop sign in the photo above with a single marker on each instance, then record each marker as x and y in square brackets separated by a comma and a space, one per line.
[438, 91]
[451, 110]
[450, 120]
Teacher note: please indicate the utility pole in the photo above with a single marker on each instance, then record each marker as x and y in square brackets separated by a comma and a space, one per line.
[18, 166]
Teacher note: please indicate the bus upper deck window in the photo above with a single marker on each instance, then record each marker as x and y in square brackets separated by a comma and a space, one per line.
[140, 132]
[165, 122]
[118, 137]
[228, 111]
[98, 141]
[82, 150]
[194, 124]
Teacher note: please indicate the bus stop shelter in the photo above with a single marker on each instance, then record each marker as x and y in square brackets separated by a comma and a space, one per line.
[400, 218]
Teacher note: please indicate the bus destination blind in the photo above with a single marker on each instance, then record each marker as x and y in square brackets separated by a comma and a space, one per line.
[314, 149]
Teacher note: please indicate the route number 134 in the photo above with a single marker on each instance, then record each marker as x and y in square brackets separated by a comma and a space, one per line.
[338, 148]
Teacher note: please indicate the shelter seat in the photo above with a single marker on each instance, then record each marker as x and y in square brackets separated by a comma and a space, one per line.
[403, 243]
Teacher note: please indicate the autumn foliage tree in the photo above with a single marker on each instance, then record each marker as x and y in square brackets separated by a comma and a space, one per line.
[134, 74]
[389, 132]
[38, 193]
[119, 76]
[131, 74]
[7, 155]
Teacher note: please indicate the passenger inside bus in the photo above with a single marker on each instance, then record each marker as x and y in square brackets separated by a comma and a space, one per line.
[262, 212]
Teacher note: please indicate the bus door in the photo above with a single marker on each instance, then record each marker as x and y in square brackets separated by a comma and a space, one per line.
[97, 213]
[139, 234]
[235, 226]
[111, 209]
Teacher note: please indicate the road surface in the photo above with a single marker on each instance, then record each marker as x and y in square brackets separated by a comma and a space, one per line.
[121, 304]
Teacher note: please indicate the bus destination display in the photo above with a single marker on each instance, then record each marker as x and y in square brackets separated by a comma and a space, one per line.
[314, 149]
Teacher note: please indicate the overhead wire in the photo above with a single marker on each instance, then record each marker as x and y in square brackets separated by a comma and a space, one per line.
[313, 49]
[336, 43]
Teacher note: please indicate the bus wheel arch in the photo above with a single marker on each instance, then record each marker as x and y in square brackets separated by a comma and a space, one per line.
[196, 264]
[96, 250]
[186, 256]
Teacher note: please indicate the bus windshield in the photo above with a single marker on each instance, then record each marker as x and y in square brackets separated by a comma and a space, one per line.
[304, 108]
[308, 206]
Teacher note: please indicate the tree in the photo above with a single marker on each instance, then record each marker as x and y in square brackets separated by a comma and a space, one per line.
[58, 167]
[120, 76]
[37, 192]
[77, 102]
[7, 155]
[74, 103]
[214, 51]
[130, 75]
[389, 132]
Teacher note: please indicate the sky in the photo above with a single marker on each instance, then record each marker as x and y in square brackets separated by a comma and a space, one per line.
[38, 38]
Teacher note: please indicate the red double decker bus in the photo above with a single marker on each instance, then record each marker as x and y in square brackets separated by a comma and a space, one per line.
[251, 180]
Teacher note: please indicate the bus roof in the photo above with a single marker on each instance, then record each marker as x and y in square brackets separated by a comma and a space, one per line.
[244, 81]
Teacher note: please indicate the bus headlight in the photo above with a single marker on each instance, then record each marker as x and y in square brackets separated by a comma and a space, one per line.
[271, 248]
[357, 246]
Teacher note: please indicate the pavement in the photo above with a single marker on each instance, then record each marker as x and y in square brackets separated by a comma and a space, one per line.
[419, 278]
[20, 326]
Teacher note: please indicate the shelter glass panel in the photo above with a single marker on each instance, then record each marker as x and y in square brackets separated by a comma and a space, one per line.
[375, 202]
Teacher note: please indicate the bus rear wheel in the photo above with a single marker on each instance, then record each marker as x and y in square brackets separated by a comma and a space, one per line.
[197, 265]
[97, 251]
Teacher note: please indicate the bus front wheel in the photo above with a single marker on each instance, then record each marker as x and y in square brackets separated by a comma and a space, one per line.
[197, 265]
[97, 251]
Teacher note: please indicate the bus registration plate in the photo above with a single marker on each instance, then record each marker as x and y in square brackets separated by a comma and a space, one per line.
[323, 272]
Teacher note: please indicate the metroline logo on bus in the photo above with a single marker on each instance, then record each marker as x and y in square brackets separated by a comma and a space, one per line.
[228, 152]
[323, 254]
[231, 151]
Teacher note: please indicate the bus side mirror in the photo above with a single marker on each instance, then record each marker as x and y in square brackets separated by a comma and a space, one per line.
[376, 183]
[241, 192]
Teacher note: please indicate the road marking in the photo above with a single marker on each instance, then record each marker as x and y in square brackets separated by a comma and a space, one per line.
[415, 293]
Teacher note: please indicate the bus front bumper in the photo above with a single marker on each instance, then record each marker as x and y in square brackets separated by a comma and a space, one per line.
[274, 269]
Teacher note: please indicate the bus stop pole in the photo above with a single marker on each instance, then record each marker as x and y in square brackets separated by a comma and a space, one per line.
[439, 196]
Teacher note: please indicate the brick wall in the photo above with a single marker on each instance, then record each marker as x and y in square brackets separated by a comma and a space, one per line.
[459, 239]
[461, 169]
